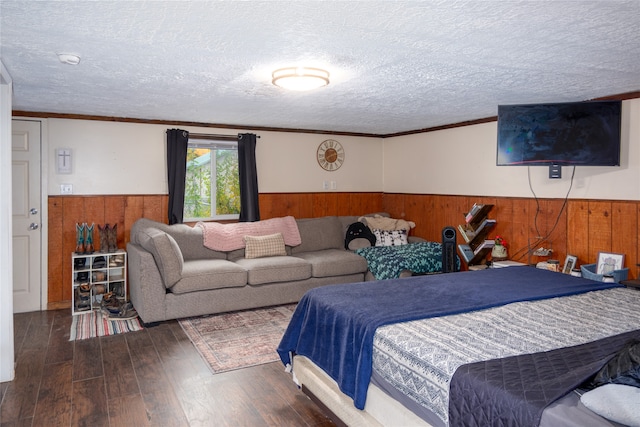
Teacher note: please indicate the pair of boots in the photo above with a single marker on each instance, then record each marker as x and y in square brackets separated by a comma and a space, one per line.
[84, 238]
[108, 238]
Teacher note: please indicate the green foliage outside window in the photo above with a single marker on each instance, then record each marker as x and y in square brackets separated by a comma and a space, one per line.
[198, 196]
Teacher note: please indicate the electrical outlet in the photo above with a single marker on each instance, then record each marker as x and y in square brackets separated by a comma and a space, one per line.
[325, 185]
[66, 188]
[334, 185]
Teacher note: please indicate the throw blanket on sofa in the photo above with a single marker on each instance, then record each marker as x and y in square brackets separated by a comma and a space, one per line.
[387, 262]
[229, 237]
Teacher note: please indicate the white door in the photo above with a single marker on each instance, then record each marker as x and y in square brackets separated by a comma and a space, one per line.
[27, 227]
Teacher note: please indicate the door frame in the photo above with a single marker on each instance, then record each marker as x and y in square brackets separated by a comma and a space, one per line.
[45, 159]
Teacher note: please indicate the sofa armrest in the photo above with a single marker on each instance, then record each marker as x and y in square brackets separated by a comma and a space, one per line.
[146, 288]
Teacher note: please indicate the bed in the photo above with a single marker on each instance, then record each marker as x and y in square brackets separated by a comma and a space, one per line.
[494, 347]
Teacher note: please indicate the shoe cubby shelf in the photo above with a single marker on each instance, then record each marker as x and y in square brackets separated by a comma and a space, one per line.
[95, 275]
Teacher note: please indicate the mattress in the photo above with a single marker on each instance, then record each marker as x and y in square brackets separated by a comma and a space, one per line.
[415, 361]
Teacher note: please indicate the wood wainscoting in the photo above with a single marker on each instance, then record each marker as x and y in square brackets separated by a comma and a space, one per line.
[578, 227]
[581, 227]
[66, 211]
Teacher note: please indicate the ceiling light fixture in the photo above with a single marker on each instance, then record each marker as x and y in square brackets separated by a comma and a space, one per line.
[69, 58]
[300, 78]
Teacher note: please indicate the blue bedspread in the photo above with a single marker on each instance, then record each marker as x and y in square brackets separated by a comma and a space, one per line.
[334, 325]
[387, 262]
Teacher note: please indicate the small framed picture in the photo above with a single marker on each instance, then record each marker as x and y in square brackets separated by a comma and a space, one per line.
[607, 262]
[569, 264]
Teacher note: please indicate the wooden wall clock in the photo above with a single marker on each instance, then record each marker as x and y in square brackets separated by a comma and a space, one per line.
[330, 155]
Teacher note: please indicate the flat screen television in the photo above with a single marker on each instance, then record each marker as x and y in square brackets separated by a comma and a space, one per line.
[574, 133]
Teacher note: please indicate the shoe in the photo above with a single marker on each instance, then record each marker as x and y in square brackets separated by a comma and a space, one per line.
[116, 261]
[82, 300]
[79, 263]
[82, 276]
[110, 303]
[104, 238]
[88, 238]
[80, 238]
[99, 262]
[112, 238]
[118, 289]
[125, 312]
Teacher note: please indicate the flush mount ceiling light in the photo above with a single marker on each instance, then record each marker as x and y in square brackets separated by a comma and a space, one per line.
[300, 78]
[69, 58]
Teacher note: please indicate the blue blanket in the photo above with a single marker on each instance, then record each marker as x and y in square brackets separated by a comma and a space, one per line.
[334, 325]
[387, 262]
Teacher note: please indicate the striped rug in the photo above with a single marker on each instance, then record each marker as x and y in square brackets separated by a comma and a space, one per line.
[95, 324]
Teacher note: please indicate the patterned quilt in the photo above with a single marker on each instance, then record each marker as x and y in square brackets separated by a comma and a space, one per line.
[387, 262]
[419, 358]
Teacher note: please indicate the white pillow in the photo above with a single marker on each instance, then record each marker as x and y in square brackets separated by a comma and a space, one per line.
[390, 237]
[615, 402]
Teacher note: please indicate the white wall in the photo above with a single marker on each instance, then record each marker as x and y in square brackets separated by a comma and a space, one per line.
[6, 232]
[462, 161]
[129, 158]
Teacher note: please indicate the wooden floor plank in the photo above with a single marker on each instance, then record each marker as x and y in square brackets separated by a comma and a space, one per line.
[54, 397]
[119, 375]
[87, 359]
[128, 411]
[89, 404]
[22, 393]
[153, 377]
[60, 349]
[282, 384]
[163, 407]
[272, 407]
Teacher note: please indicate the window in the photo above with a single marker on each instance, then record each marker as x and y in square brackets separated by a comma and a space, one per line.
[212, 186]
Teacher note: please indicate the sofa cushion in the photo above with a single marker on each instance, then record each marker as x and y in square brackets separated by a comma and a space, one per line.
[275, 269]
[334, 262]
[319, 233]
[206, 274]
[166, 253]
[189, 238]
[264, 246]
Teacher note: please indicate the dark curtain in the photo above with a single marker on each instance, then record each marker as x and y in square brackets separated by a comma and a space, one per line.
[177, 143]
[249, 208]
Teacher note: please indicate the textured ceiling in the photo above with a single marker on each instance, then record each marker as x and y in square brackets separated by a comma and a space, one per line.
[395, 66]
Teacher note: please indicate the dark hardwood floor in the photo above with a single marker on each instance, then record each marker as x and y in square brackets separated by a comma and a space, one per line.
[154, 377]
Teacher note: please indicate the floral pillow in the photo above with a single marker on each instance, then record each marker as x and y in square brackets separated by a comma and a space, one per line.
[390, 237]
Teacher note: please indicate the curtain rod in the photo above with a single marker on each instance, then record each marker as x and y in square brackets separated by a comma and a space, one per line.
[215, 137]
[210, 136]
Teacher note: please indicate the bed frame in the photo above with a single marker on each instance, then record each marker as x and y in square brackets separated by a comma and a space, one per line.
[380, 409]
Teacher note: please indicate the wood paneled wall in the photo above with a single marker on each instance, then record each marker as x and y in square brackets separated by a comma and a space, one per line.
[580, 227]
[66, 211]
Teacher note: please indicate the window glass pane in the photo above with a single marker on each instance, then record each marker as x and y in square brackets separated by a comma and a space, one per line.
[212, 188]
[227, 183]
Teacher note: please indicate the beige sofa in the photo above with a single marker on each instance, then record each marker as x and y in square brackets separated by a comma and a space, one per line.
[173, 275]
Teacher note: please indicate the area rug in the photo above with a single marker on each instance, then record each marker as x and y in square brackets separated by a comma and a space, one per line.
[239, 339]
[95, 324]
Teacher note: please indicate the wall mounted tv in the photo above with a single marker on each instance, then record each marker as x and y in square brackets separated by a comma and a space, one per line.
[575, 134]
